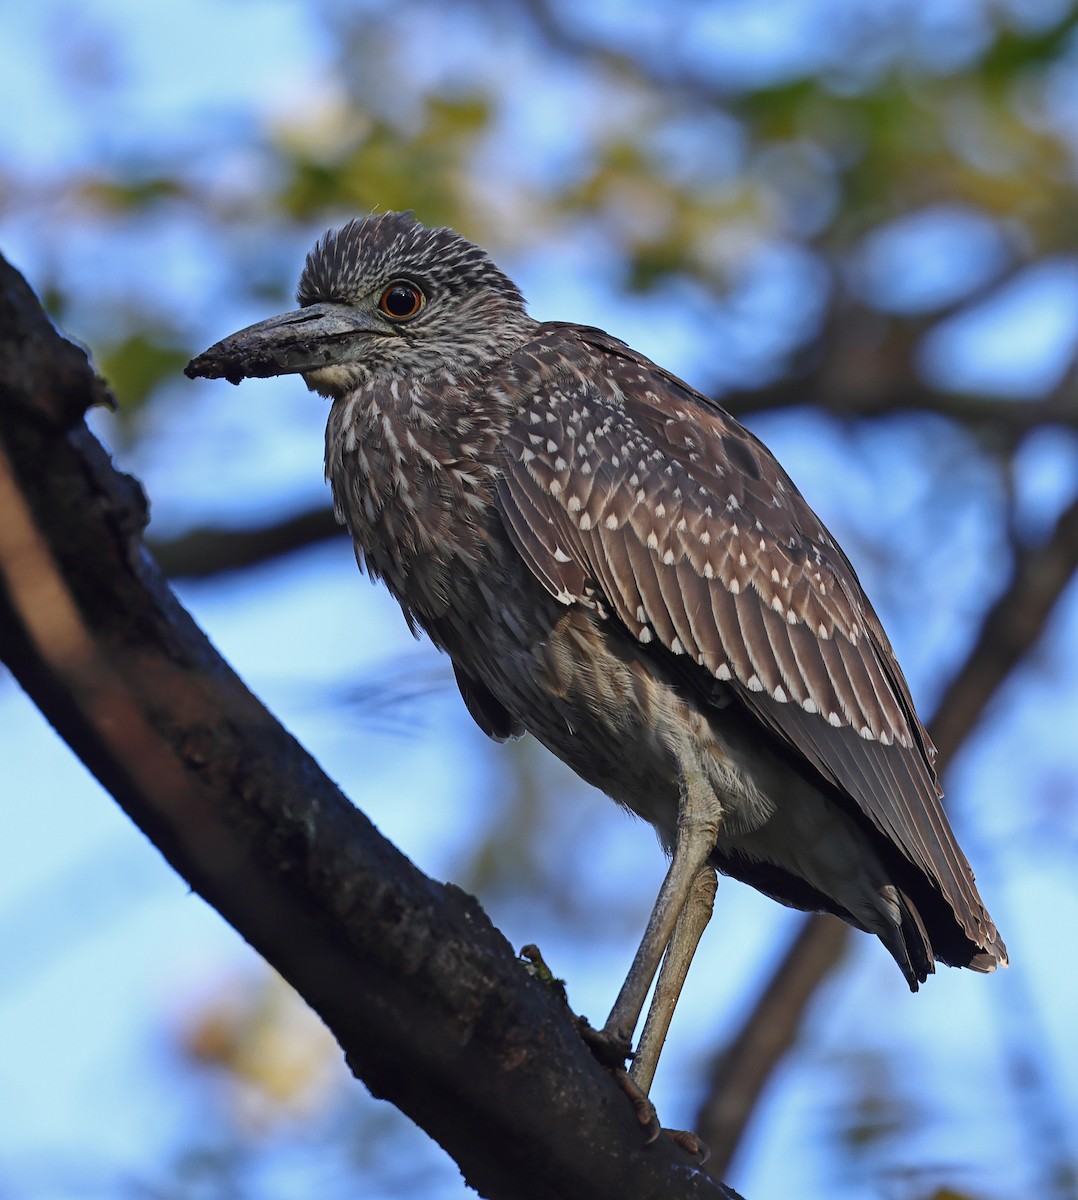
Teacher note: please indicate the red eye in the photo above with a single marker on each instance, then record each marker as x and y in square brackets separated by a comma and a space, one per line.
[401, 301]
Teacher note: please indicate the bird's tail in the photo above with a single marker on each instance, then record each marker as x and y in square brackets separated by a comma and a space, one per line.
[906, 937]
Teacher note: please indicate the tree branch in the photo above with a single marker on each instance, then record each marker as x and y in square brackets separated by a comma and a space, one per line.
[869, 400]
[209, 550]
[1010, 629]
[425, 997]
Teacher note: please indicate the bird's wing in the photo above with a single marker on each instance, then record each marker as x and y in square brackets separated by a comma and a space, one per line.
[625, 490]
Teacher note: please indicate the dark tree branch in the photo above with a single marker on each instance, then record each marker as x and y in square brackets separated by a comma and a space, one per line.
[426, 998]
[864, 365]
[742, 1069]
[667, 73]
[1010, 629]
[865, 400]
[209, 551]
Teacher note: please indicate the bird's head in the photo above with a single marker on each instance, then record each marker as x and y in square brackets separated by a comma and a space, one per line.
[382, 297]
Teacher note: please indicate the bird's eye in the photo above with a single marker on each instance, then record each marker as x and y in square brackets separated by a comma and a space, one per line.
[401, 301]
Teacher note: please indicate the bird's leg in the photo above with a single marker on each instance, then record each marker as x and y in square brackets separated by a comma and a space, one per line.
[675, 967]
[699, 816]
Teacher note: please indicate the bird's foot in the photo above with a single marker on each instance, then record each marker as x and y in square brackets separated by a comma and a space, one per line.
[690, 1143]
[649, 1119]
[642, 1106]
[612, 1050]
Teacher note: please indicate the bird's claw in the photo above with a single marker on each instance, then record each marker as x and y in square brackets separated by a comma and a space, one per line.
[690, 1143]
[611, 1050]
[642, 1106]
[649, 1119]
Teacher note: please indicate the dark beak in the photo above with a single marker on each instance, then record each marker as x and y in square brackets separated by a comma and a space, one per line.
[322, 335]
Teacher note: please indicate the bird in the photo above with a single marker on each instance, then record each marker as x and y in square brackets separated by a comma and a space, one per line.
[618, 567]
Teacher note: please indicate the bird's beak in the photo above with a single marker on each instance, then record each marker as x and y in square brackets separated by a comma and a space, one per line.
[321, 335]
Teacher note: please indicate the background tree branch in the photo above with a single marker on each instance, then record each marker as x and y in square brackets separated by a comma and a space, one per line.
[425, 997]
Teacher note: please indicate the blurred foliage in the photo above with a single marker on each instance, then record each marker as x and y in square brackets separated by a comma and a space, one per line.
[686, 174]
[275, 1055]
[136, 366]
[735, 191]
[370, 163]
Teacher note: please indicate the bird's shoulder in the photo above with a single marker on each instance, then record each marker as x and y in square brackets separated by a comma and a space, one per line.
[627, 490]
[629, 419]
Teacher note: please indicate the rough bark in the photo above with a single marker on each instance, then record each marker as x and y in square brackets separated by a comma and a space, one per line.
[427, 1000]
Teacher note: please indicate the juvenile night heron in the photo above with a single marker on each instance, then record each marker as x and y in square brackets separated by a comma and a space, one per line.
[616, 566]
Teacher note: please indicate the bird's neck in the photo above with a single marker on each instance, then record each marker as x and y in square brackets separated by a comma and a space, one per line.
[412, 467]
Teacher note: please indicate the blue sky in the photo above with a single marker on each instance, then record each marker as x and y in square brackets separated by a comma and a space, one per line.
[105, 950]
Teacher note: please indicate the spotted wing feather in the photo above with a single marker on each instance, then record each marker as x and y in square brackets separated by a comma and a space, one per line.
[627, 491]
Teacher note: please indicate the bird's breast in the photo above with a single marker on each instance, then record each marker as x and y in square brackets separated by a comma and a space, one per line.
[416, 492]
